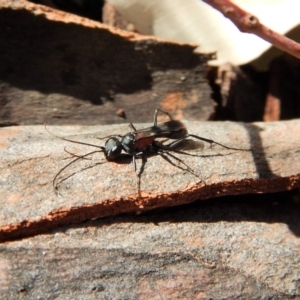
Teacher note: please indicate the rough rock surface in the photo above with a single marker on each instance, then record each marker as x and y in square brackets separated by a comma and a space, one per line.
[244, 247]
[92, 188]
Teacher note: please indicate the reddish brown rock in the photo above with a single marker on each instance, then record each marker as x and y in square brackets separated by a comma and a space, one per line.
[243, 247]
[30, 159]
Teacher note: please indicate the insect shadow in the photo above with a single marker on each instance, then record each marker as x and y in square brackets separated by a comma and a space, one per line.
[143, 143]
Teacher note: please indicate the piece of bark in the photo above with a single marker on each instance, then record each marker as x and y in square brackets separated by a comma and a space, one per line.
[65, 69]
[240, 93]
[91, 9]
[30, 159]
[113, 18]
[244, 247]
[283, 97]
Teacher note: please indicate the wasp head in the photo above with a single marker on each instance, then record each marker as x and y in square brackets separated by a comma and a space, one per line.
[112, 149]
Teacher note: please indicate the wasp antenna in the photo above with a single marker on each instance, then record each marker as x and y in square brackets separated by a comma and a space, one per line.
[109, 136]
[72, 141]
[68, 164]
[82, 156]
[72, 174]
[57, 193]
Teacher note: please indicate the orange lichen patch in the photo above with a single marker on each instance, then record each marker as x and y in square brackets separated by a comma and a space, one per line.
[173, 284]
[6, 133]
[14, 198]
[174, 103]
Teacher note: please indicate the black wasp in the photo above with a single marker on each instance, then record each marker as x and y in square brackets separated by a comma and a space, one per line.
[137, 142]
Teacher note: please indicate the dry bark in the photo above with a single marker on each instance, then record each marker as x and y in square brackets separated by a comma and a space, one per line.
[65, 69]
[282, 100]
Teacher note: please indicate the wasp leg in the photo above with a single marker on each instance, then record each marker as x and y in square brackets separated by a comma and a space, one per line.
[139, 174]
[213, 142]
[171, 145]
[134, 157]
[156, 113]
[162, 150]
[132, 127]
[154, 118]
[133, 163]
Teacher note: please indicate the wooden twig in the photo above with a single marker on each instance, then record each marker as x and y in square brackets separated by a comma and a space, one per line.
[249, 23]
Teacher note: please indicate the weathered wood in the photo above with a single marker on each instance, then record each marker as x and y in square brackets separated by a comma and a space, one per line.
[30, 158]
[65, 69]
[282, 100]
[242, 93]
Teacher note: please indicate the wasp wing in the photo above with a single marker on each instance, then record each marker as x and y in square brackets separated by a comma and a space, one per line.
[172, 129]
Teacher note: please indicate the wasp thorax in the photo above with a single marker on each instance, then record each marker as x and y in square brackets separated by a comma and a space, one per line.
[128, 143]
